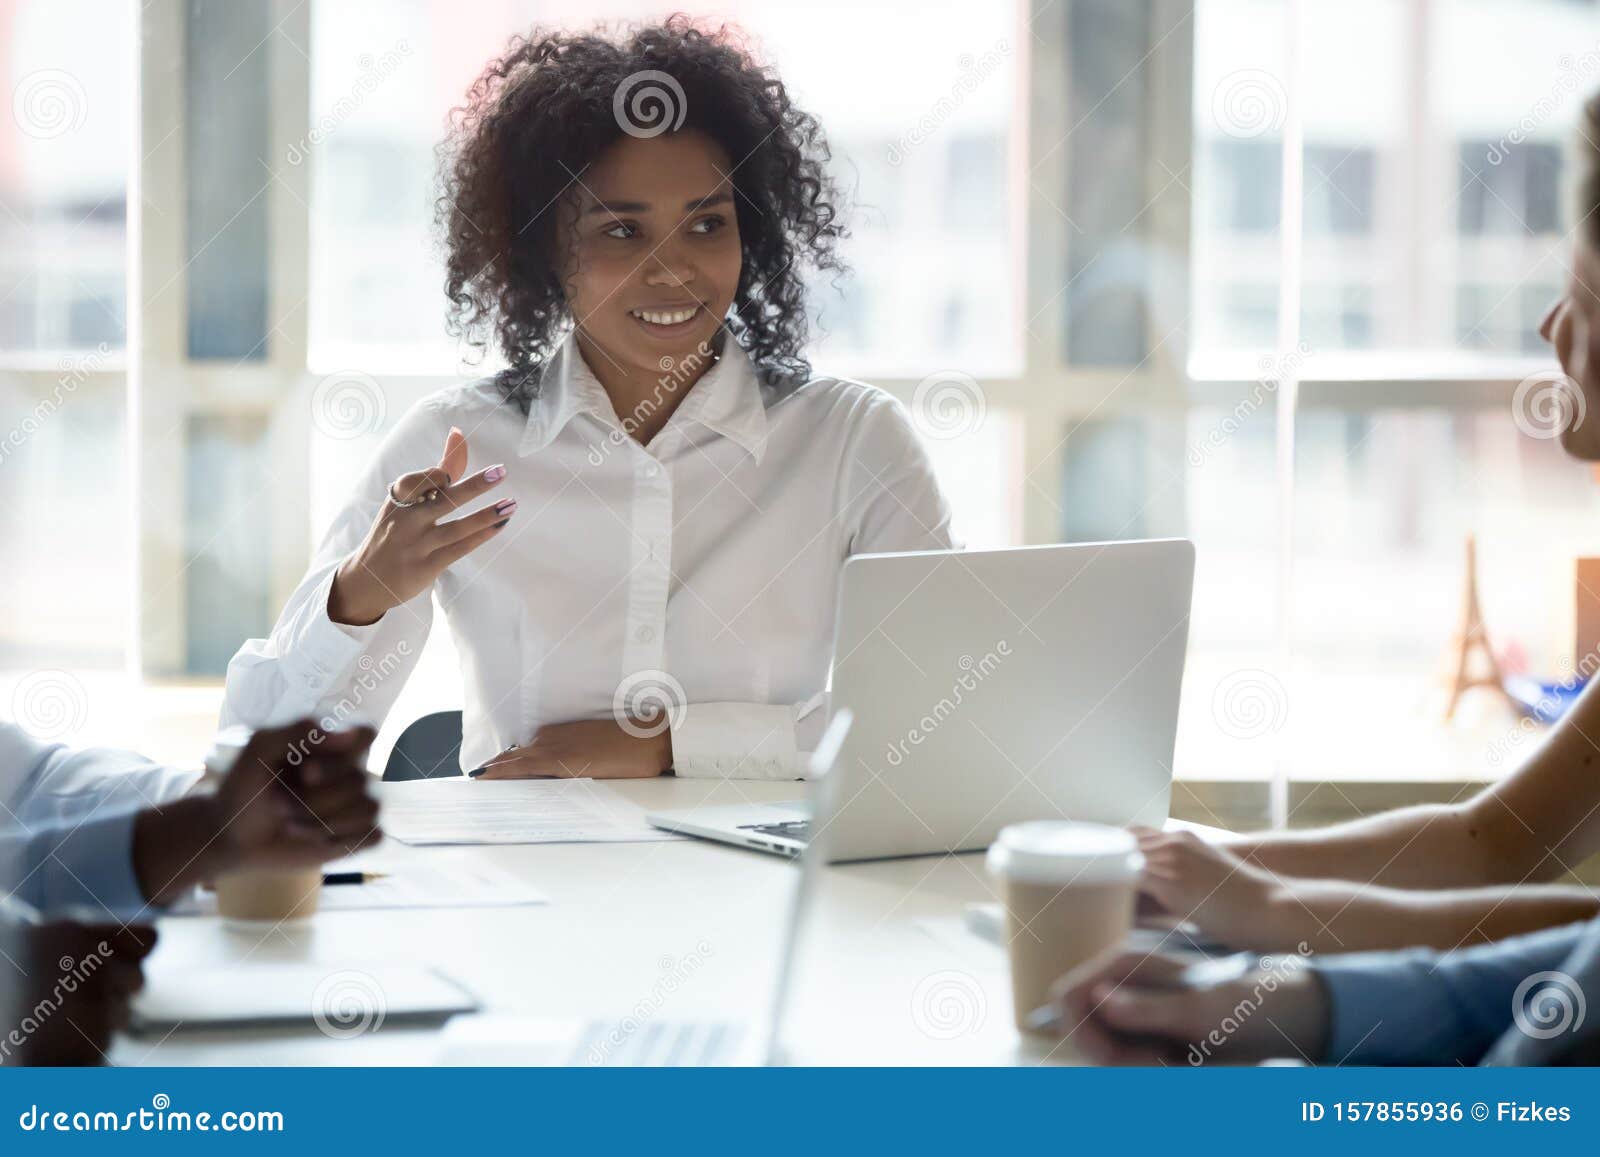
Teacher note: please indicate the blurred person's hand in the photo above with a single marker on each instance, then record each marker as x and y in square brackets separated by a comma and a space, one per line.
[1186, 878]
[74, 994]
[1138, 1008]
[296, 796]
[409, 546]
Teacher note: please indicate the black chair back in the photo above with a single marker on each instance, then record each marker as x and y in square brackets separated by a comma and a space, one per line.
[429, 748]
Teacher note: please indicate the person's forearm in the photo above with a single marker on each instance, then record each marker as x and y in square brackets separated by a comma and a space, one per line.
[1432, 846]
[1340, 916]
[176, 847]
[355, 598]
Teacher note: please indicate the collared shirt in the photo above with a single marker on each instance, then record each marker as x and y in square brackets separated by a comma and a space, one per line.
[698, 572]
[1519, 1001]
[66, 828]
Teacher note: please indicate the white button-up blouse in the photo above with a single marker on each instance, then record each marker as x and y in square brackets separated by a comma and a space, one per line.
[699, 571]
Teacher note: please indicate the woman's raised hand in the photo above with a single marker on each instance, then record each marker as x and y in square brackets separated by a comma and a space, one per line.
[414, 538]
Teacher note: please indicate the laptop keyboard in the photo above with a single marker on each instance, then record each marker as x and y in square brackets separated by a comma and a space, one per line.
[656, 1044]
[799, 830]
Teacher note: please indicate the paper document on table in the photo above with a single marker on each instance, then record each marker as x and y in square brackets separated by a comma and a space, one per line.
[524, 811]
[444, 880]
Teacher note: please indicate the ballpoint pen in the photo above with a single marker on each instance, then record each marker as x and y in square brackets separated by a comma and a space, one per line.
[352, 877]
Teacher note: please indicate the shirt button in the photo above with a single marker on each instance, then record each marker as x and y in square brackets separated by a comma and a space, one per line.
[651, 470]
[645, 634]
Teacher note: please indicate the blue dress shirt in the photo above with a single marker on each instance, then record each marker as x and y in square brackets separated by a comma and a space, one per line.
[1522, 1001]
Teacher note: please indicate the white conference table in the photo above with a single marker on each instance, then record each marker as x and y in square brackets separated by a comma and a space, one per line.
[886, 971]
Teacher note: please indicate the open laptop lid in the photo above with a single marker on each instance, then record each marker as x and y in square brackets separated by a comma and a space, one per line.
[991, 687]
[821, 765]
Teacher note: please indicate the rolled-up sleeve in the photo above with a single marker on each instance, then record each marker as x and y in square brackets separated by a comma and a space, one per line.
[313, 667]
[1420, 1007]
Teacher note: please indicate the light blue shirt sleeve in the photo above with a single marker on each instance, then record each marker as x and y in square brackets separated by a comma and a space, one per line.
[66, 828]
[85, 864]
[1421, 1007]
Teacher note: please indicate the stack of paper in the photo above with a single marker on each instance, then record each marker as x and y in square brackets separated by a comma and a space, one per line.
[443, 880]
[525, 811]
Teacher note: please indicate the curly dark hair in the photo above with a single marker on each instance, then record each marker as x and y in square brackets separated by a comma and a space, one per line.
[544, 110]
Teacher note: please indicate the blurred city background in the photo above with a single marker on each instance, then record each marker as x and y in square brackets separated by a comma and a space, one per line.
[1077, 206]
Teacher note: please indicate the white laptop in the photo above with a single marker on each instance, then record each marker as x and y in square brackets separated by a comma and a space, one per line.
[625, 1042]
[990, 687]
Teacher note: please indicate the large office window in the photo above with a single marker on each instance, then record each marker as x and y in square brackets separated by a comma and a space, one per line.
[1430, 237]
[64, 144]
[1433, 139]
[63, 174]
[1072, 258]
[924, 153]
[928, 158]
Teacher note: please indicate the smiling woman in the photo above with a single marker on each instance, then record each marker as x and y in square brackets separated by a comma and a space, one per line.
[637, 320]
[577, 157]
[669, 490]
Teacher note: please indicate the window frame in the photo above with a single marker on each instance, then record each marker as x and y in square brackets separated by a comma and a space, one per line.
[1049, 397]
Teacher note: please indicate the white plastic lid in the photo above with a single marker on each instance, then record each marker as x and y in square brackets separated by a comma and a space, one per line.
[1062, 853]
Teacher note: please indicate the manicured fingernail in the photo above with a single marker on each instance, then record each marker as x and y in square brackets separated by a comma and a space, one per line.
[501, 523]
[505, 506]
[476, 772]
[494, 473]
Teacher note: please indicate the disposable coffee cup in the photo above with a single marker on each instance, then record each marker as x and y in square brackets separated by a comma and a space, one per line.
[258, 896]
[1069, 892]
